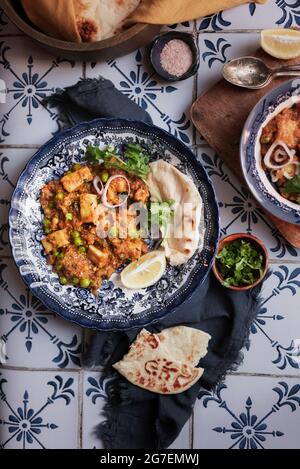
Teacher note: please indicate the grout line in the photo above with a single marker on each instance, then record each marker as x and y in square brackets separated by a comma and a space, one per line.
[25, 145]
[230, 31]
[80, 407]
[262, 375]
[99, 370]
[191, 430]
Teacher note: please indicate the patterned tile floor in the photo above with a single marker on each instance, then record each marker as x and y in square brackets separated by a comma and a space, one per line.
[46, 399]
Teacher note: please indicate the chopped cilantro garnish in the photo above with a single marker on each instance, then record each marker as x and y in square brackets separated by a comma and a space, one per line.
[136, 160]
[240, 263]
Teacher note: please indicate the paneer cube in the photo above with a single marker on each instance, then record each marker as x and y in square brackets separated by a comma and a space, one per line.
[58, 239]
[88, 208]
[97, 257]
[73, 181]
[47, 246]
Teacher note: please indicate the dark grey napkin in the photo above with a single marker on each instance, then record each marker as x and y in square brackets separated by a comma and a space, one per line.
[136, 418]
[92, 98]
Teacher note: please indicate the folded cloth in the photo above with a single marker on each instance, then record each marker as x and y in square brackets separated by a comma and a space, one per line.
[63, 19]
[92, 98]
[136, 418]
[178, 11]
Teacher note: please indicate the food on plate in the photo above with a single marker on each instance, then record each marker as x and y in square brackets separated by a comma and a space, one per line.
[166, 362]
[280, 151]
[167, 183]
[282, 43]
[146, 271]
[103, 214]
[81, 222]
[240, 263]
[79, 20]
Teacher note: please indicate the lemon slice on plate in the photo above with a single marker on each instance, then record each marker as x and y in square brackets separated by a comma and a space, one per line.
[281, 43]
[146, 271]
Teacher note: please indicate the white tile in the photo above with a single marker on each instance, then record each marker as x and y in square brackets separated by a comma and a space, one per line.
[38, 410]
[183, 439]
[30, 74]
[187, 26]
[34, 336]
[275, 338]
[239, 211]
[94, 394]
[272, 14]
[12, 162]
[216, 50]
[249, 412]
[167, 103]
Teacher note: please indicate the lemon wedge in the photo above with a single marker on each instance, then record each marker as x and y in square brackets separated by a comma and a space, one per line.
[281, 43]
[146, 271]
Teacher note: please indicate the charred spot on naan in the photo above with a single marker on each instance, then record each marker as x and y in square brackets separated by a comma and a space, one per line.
[88, 29]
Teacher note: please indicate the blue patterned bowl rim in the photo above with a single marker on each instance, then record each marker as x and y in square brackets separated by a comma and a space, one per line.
[211, 214]
[275, 204]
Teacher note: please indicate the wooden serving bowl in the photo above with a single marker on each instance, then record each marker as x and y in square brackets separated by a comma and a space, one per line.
[127, 41]
[255, 242]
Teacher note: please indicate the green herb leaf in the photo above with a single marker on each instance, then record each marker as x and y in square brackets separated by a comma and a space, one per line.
[136, 164]
[292, 186]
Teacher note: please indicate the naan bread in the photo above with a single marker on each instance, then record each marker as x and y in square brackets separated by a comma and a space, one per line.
[165, 363]
[100, 19]
[167, 182]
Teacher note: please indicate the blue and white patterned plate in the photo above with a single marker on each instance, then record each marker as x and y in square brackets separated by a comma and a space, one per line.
[260, 185]
[114, 308]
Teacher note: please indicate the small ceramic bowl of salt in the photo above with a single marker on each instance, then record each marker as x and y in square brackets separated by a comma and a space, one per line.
[175, 56]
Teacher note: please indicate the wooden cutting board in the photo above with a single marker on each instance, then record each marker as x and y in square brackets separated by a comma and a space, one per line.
[220, 114]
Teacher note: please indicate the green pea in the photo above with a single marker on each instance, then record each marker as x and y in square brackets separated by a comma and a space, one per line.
[63, 280]
[85, 283]
[47, 230]
[76, 166]
[60, 255]
[104, 176]
[55, 253]
[59, 267]
[59, 196]
[75, 234]
[69, 216]
[82, 250]
[46, 222]
[75, 281]
[78, 242]
[51, 204]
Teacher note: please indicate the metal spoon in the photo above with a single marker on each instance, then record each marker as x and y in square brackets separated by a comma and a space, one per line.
[253, 73]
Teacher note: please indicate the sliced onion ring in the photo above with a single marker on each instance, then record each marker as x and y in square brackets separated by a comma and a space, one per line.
[296, 172]
[267, 158]
[104, 195]
[96, 181]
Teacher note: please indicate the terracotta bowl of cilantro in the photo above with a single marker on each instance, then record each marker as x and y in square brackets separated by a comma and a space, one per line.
[241, 262]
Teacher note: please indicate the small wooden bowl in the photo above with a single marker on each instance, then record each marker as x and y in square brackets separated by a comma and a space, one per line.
[127, 41]
[253, 240]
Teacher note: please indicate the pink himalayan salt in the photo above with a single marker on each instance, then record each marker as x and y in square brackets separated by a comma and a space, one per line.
[176, 57]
